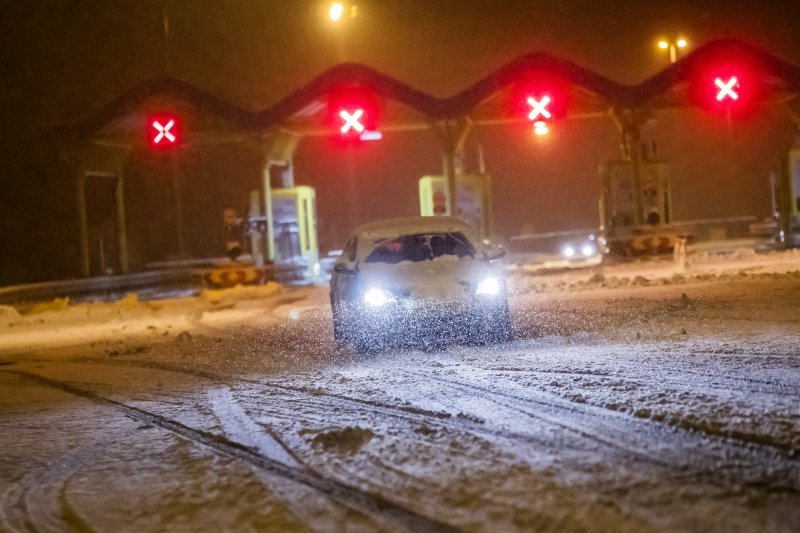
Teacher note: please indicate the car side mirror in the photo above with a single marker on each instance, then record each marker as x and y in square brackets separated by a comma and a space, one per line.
[492, 251]
[342, 268]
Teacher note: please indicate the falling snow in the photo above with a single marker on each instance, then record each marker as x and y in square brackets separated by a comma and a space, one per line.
[634, 397]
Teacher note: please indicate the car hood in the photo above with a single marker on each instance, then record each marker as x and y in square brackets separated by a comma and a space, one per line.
[443, 277]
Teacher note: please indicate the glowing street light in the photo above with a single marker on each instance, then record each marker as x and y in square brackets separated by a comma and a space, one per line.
[336, 11]
[672, 46]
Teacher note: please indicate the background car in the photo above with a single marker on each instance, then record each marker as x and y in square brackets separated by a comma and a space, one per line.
[580, 249]
[417, 280]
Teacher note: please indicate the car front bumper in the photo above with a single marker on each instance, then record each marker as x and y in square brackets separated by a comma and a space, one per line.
[414, 321]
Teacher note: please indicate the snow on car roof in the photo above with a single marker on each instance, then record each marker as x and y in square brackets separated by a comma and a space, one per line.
[395, 227]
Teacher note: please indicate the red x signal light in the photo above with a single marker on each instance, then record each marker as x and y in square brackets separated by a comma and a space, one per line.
[727, 90]
[540, 99]
[351, 121]
[728, 81]
[539, 113]
[539, 107]
[164, 131]
[353, 114]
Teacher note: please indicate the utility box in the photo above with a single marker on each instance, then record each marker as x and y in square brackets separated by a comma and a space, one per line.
[294, 221]
[618, 220]
[618, 201]
[473, 200]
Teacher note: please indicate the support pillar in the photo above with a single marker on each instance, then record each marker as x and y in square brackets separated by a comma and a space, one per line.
[122, 228]
[83, 221]
[789, 184]
[176, 191]
[277, 150]
[257, 241]
[629, 122]
[267, 194]
[454, 134]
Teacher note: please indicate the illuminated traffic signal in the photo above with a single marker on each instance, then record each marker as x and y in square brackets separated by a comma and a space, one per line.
[351, 120]
[164, 131]
[730, 82]
[356, 122]
[541, 99]
[353, 112]
[539, 113]
[727, 89]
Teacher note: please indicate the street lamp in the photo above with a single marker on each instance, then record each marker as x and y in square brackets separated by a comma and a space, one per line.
[672, 46]
[338, 9]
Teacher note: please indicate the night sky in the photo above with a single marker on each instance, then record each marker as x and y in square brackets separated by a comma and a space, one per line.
[63, 59]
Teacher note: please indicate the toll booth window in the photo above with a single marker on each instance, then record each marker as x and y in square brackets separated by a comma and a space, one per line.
[421, 247]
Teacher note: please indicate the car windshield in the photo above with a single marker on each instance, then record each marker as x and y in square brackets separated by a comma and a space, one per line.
[421, 247]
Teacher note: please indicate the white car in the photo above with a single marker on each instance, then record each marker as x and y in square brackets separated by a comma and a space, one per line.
[417, 280]
[580, 249]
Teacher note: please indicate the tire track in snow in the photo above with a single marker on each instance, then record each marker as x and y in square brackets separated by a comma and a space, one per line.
[413, 414]
[758, 386]
[598, 424]
[240, 427]
[39, 500]
[676, 420]
[358, 500]
[615, 429]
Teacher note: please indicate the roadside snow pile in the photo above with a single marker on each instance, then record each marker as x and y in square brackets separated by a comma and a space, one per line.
[57, 323]
[701, 267]
[8, 312]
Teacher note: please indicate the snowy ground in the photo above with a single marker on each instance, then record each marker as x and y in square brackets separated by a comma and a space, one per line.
[633, 398]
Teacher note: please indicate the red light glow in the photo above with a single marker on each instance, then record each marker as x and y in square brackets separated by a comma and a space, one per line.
[539, 109]
[163, 131]
[540, 128]
[726, 89]
[352, 114]
[352, 121]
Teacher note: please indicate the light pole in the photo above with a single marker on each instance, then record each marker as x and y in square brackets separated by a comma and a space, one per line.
[672, 46]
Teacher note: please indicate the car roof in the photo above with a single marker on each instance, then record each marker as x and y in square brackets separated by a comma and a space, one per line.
[396, 227]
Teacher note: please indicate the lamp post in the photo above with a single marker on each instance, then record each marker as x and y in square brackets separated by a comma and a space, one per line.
[672, 46]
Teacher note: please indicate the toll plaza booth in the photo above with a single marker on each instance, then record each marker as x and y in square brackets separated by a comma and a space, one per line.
[473, 200]
[170, 121]
[293, 216]
[619, 229]
[789, 199]
[294, 221]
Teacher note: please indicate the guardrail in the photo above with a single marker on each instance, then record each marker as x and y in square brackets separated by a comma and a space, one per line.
[185, 276]
[52, 289]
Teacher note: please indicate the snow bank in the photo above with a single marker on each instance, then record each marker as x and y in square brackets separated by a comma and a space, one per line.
[701, 267]
[61, 323]
[57, 323]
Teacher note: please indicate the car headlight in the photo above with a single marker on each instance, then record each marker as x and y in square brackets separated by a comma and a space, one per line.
[489, 286]
[588, 250]
[568, 251]
[377, 297]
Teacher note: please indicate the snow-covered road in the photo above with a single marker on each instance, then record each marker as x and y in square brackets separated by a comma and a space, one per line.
[620, 406]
